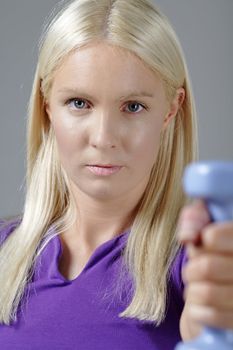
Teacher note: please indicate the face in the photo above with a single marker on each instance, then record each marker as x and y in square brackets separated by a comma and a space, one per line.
[107, 110]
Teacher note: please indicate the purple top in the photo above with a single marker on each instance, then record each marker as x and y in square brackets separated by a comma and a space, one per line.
[83, 313]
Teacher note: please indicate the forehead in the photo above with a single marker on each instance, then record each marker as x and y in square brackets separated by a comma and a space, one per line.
[101, 52]
[104, 64]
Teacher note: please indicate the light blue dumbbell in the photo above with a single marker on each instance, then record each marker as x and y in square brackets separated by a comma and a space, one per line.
[213, 182]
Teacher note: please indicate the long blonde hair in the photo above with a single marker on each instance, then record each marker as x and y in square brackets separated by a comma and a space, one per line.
[137, 26]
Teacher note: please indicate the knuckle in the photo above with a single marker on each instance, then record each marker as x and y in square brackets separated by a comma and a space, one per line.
[211, 236]
[206, 267]
[208, 295]
[185, 213]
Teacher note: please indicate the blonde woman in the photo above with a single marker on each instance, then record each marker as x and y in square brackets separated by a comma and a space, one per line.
[94, 261]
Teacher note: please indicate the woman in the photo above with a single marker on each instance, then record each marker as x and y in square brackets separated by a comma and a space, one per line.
[94, 261]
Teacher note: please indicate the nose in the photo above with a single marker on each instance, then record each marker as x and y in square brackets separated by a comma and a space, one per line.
[104, 132]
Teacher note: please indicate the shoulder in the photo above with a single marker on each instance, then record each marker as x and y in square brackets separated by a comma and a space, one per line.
[7, 226]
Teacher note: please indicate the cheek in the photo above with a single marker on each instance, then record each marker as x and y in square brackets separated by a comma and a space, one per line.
[68, 141]
[146, 145]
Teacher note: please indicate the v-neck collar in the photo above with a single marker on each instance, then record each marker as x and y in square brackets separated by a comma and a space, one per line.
[48, 264]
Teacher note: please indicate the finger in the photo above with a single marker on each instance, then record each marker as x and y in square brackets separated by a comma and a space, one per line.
[218, 237]
[210, 294]
[209, 267]
[192, 220]
[194, 251]
[210, 316]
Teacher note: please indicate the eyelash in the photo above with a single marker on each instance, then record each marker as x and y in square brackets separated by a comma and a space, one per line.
[83, 100]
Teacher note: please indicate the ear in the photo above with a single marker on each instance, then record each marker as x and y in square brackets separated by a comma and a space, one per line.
[174, 106]
[47, 109]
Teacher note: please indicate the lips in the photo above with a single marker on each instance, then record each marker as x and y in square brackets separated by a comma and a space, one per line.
[104, 170]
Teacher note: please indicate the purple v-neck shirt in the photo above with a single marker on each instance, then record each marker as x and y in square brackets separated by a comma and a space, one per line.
[83, 313]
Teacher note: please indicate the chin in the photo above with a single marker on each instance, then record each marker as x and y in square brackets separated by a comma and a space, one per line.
[101, 194]
[101, 190]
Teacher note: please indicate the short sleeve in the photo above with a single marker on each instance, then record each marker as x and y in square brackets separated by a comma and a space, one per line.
[7, 227]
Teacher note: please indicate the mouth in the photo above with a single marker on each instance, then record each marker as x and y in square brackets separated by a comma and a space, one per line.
[103, 169]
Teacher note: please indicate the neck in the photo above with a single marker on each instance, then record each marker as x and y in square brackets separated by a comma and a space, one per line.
[99, 221]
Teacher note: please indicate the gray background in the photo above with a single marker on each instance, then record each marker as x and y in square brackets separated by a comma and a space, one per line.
[205, 28]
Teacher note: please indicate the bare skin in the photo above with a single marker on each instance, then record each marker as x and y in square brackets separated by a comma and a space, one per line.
[208, 275]
[109, 122]
[108, 141]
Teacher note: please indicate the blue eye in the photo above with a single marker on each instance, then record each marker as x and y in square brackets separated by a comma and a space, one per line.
[78, 103]
[81, 104]
[134, 107]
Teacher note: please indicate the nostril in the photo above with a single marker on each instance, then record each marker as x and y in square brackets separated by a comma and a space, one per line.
[103, 145]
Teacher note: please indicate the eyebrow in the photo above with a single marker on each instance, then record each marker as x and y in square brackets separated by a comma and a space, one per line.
[131, 94]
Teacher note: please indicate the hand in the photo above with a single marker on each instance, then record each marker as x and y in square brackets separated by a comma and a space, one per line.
[208, 275]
